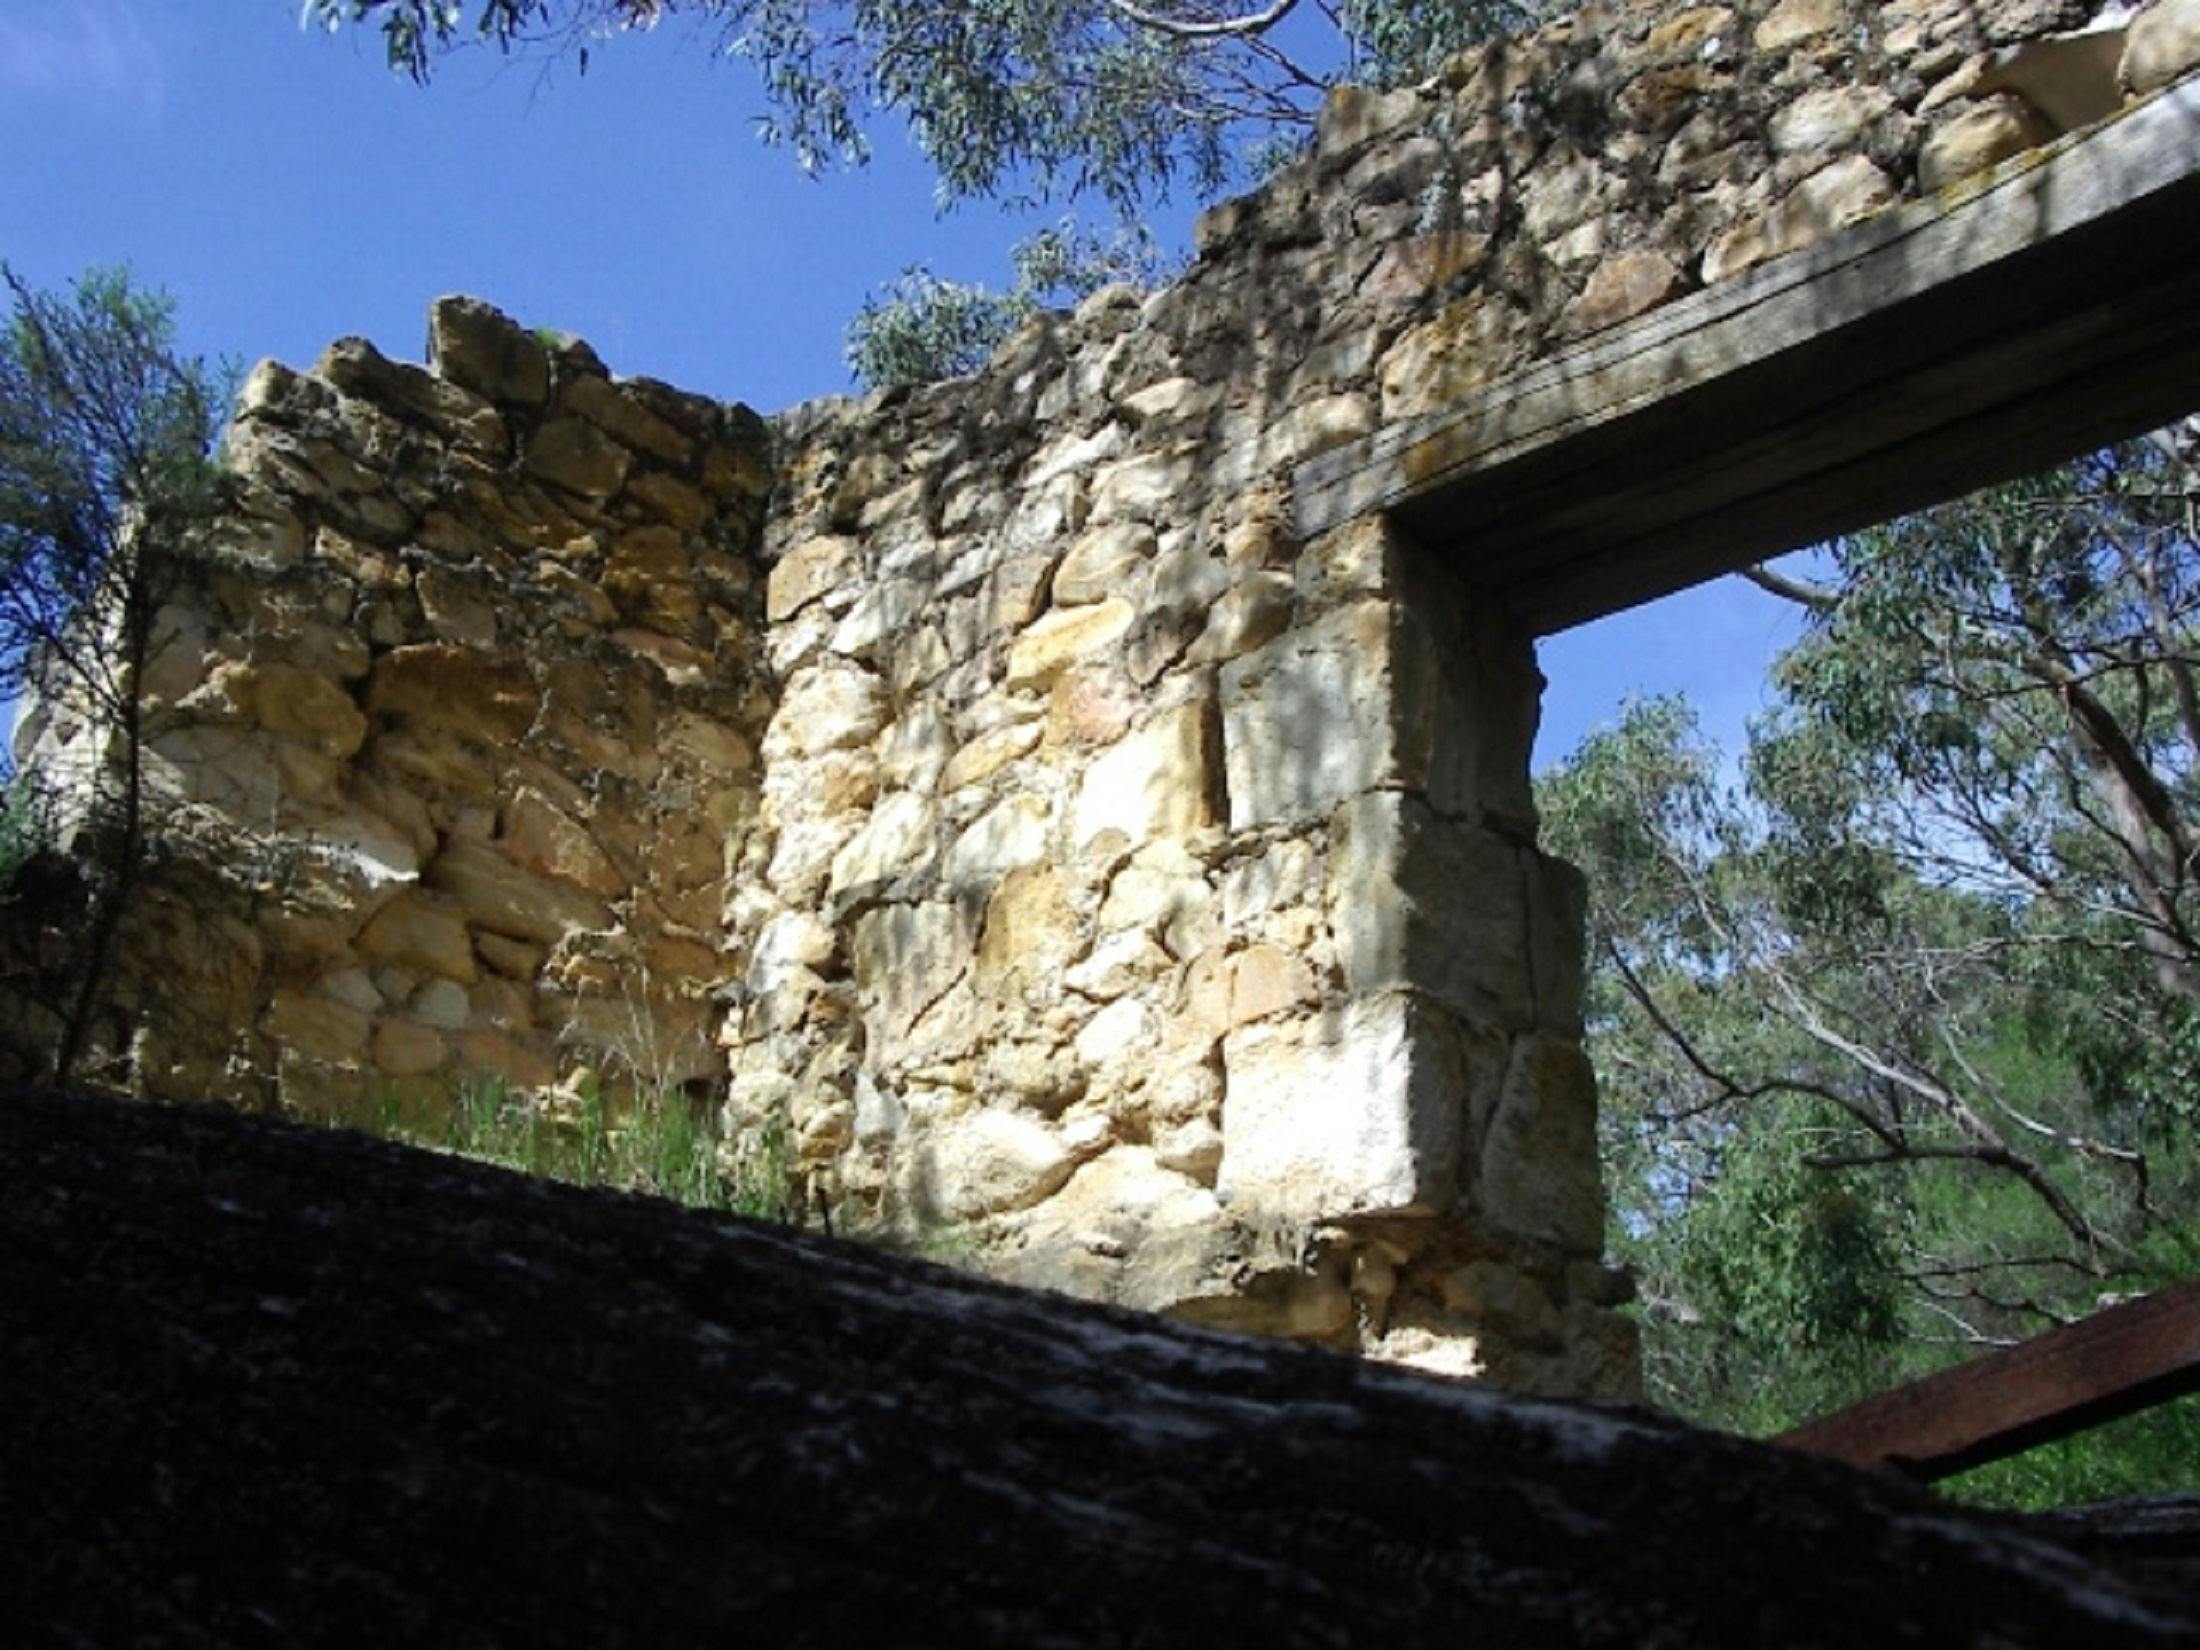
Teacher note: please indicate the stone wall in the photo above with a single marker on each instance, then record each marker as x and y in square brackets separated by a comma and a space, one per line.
[1095, 882]
[448, 728]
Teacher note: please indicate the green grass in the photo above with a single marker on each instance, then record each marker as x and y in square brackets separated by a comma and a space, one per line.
[2152, 1453]
[661, 1144]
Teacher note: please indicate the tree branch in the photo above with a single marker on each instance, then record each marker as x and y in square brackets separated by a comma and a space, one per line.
[1817, 597]
[1253, 23]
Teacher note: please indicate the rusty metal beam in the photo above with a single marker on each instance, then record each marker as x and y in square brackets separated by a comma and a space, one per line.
[2113, 1364]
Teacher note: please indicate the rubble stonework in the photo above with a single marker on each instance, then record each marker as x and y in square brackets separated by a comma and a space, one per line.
[448, 730]
[1090, 878]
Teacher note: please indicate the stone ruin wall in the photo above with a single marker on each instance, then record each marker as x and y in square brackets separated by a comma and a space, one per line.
[1094, 881]
[449, 725]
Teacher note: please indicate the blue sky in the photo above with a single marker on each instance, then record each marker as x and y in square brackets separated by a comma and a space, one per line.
[287, 190]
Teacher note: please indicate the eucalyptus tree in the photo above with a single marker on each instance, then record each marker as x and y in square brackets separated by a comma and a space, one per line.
[1926, 984]
[1127, 100]
[921, 328]
[106, 479]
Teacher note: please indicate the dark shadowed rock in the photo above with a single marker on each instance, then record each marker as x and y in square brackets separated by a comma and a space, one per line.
[265, 1386]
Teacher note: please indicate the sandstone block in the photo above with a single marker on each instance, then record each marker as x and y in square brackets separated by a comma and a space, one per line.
[826, 709]
[1695, 32]
[455, 688]
[1468, 344]
[1141, 489]
[1118, 963]
[1359, 1111]
[1537, 1173]
[680, 506]
[515, 959]
[1005, 838]
[679, 663]
[1250, 614]
[1305, 722]
[1171, 398]
[880, 618]
[1441, 906]
[868, 476]
[1221, 223]
[905, 958]
[2162, 43]
[1353, 115]
[1310, 430]
[1157, 782]
[1163, 892]
[481, 349]
[455, 612]
[299, 704]
[802, 856]
[443, 1005]
[316, 1028]
[791, 940]
[416, 932]
[1266, 980]
[1980, 135]
[1282, 876]
[572, 453]
[505, 898]
[1122, 1030]
[1793, 22]
[176, 660]
[990, 752]
[1102, 562]
[898, 841]
[1836, 117]
[1043, 516]
[915, 747]
[712, 746]
[1849, 191]
[1622, 288]
[1062, 638]
[991, 1162]
[1561, 193]
[1192, 1148]
[611, 409]
[1016, 592]
[1071, 454]
[403, 1049]
[1425, 264]
[1094, 706]
[545, 839]
[1354, 701]
[2071, 78]
[356, 367]
[1187, 576]
[1130, 1230]
[230, 768]
[650, 575]
[1032, 933]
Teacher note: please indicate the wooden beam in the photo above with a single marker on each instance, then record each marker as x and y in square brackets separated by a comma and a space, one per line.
[2113, 1364]
[1939, 347]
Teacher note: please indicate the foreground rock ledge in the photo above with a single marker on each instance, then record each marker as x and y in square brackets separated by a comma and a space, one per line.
[266, 1386]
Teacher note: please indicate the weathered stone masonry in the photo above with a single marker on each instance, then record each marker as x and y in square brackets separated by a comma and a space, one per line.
[452, 726]
[1089, 877]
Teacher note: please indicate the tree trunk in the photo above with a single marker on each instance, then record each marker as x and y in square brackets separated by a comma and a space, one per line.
[112, 899]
